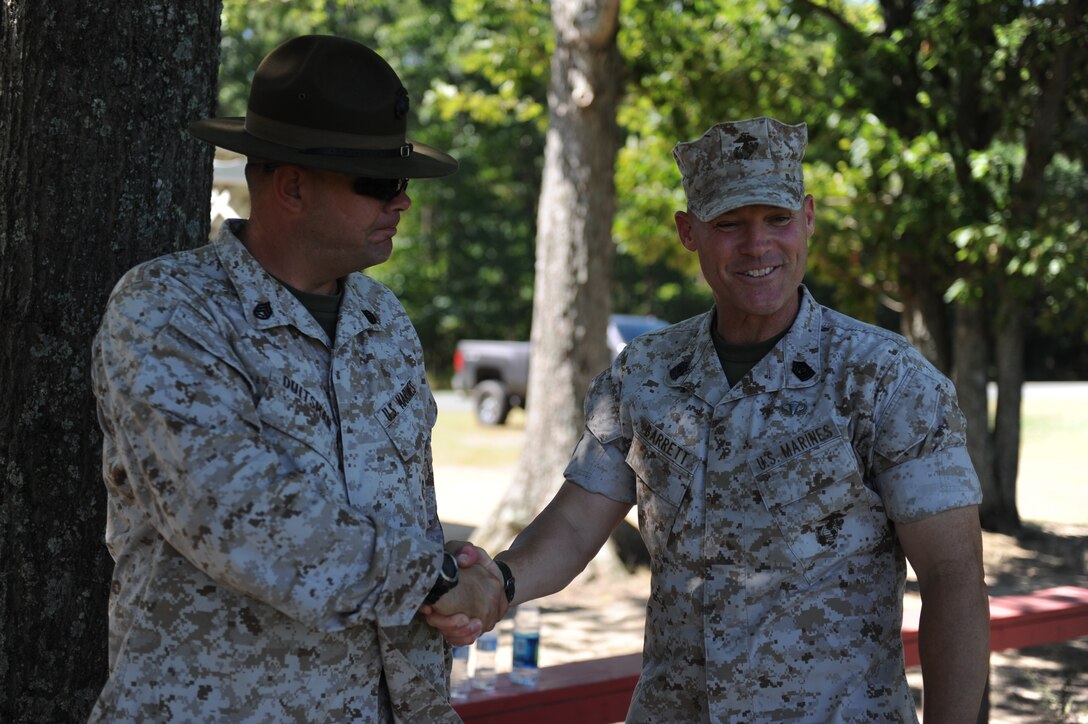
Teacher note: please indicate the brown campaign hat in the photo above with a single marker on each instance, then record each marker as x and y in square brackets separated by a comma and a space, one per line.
[328, 103]
[757, 161]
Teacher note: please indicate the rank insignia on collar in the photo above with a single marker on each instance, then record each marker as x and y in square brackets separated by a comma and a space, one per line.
[680, 369]
[802, 371]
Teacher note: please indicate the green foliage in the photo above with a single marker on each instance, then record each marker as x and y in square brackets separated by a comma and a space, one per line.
[690, 66]
[919, 115]
[1049, 256]
[941, 101]
[251, 28]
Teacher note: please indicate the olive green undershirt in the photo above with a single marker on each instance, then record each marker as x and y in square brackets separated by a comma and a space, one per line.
[738, 359]
[324, 307]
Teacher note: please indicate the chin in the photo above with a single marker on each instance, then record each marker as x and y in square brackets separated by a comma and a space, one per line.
[375, 259]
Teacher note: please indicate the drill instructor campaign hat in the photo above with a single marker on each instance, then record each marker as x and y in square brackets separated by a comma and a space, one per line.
[741, 163]
[327, 103]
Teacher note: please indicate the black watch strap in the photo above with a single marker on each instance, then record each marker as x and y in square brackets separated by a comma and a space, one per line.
[447, 579]
[507, 580]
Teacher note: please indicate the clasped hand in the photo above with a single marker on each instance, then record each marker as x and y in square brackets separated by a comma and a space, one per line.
[476, 604]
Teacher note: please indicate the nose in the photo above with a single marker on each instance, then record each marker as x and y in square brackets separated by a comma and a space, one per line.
[754, 242]
[400, 202]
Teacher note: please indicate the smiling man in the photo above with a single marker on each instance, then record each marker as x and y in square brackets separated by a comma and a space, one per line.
[267, 432]
[786, 461]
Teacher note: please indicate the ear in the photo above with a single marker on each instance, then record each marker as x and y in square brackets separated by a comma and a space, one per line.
[684, 223]
[808, 209]
[286, 186]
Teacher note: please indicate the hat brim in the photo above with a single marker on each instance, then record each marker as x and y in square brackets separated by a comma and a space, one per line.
[783, 197]
[230, 133]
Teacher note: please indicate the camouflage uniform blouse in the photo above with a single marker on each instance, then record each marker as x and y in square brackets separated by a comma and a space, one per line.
[271, 500]
[777, 580]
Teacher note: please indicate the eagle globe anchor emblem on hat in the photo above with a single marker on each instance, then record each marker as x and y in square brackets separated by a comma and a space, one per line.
[327, 103]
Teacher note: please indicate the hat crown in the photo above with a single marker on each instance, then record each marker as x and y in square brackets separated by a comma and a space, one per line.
[327, 103]
[331, 84]
[760, 138]
[740, 163]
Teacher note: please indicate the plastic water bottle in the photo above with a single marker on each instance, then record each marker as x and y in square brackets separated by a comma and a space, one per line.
[459, 678]
[483, 675]
[526, 668]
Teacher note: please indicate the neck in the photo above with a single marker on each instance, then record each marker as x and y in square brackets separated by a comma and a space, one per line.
[738, 328]
[275, 250]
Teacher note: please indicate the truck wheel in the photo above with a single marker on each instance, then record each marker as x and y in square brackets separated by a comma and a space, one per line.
[492, 404]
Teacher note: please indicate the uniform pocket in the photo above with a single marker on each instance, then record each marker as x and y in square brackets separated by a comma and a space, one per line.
[662, 488]
[407, 417]
[821, 505]
[297, 423]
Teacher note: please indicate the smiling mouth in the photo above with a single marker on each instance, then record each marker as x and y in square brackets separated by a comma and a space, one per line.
[757, 273]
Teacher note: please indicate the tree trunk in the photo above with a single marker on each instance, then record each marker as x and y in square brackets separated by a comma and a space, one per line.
[1009, 354]
[969, 374]
[96, 173]
[574, 252]
[923, 318]
[1001, 513]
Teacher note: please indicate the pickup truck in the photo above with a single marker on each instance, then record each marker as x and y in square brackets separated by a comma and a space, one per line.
[496, 373]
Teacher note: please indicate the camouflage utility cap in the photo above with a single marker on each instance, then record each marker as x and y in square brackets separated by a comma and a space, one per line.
[757, 161]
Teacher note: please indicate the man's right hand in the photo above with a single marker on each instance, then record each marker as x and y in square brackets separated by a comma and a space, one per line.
[476, 604]
[479, 595]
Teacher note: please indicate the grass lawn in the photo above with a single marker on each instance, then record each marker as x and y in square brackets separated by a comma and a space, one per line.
[460, 441]
[1053, 481]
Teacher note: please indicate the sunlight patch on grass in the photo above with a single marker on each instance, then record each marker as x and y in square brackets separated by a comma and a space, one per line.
[460, 440]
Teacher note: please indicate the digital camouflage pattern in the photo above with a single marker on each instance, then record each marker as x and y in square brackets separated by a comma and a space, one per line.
[768, 511]
[271, 505]
[736, 164]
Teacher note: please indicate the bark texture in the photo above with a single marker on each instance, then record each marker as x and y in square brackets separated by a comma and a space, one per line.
[97, 174]
[574, 253]
[969, 374]
[999, 511]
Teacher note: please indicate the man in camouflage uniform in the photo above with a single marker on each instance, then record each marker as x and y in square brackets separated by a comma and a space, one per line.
[786, 460]
[267, 427]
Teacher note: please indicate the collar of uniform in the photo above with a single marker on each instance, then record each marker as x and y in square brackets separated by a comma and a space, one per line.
[361, 307]
[264, 301]
[697, 367]
[793, 363]
[267, 303]
[795, 360]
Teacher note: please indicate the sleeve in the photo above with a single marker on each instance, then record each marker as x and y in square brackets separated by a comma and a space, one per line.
[191, 456]
[921, 463]
[599, 460]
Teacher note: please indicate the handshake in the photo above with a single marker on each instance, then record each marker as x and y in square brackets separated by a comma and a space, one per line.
[475, 604]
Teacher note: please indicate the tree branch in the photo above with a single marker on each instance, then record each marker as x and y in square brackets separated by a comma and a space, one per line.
[843, 24]
[1054, 85]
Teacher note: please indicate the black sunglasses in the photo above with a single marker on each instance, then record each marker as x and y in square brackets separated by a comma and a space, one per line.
[385, 189]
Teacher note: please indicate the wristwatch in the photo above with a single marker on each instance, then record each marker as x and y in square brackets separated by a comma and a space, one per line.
[447, 579]
[507, 580]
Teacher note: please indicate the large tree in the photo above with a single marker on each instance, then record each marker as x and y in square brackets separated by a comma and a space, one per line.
[571, 301]
[96, 174]
[966, 116]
